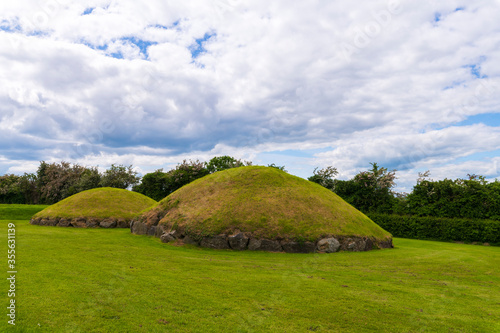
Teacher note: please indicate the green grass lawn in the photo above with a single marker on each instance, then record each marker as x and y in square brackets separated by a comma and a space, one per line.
[108, 280]
[19, 212]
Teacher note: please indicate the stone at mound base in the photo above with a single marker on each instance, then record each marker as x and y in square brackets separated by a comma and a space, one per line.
[82, 222]
[259, 208]
[242, 241]
[167, 237]
[238, 241]
[298, 247]
[107, 223]
[215, 242]
[264, 245]
[64, 223]
[328, 245]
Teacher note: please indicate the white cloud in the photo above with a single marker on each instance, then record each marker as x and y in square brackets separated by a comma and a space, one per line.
[375, 80]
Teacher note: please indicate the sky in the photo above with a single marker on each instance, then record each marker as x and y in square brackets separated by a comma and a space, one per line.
[410, 85]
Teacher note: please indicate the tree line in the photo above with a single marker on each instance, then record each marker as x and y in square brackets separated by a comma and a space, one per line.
[55, 181]
[370, 191]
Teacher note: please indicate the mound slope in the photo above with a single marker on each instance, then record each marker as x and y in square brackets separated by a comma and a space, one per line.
[260, 208]
[101, 207]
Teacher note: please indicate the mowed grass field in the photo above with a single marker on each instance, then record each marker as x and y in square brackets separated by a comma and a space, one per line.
[108, 280]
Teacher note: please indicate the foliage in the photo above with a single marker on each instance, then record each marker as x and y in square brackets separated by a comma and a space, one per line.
[461, 198]
[220, 163]
[442, 229]
[185, 172]
[371, 192]
[282, 168]
[119, 176]
[89, 179]
[324, 177]
[159, 184]
[57, 181]
[368, 191]
[156, 185]
[19, 189]
[10, 192]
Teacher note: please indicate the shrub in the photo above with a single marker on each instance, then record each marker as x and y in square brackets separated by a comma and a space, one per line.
[225, 162]
[159, 184]
[442, 229]
[472, 198]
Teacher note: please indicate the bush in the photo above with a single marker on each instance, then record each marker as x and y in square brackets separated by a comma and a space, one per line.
[119, 176]
[472, 198]
[442, 229]
[225, 162]
[159, 184]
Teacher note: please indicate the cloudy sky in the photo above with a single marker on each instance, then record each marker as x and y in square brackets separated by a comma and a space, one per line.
[411, 85]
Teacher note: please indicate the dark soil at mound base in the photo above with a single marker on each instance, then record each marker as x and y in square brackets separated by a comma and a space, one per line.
[82, 222]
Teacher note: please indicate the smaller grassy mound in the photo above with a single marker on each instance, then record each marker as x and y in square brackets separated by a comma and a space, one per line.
[97, 204]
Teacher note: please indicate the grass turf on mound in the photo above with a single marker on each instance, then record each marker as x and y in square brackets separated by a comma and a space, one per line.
[266, 202]
[99, 203]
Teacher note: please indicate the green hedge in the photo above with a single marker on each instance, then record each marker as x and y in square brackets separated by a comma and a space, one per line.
[443, 229]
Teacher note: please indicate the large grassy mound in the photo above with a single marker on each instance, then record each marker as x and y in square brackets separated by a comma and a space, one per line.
[99, 203]
[263, 201]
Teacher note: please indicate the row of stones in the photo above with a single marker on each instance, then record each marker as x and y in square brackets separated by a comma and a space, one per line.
[82, 222]
[241, 241]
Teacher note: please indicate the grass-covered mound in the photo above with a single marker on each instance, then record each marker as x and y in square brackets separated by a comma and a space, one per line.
[263, 204]
[106, 207]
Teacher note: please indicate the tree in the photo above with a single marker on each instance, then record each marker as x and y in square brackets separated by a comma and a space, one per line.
[185, 172]
[27, 185]
[119, 176]
[156, 185]
[90, 178]
[368, 191]
[57, 181]
[10, 191]
[373, 190]
[324, 177]
[220, 163]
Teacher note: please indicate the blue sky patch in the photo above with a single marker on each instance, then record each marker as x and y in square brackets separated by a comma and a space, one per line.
[490, 119]
[475, 70]
[95, 47]
[141, 44]
[165, 27]
[117, 55]
[198, 48]
[88, 11]
[9, 27]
